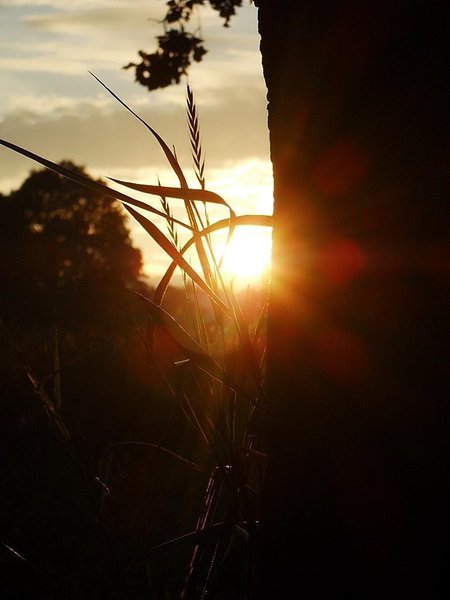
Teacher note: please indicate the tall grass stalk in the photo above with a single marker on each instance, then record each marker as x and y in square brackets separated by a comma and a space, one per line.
[218, 376]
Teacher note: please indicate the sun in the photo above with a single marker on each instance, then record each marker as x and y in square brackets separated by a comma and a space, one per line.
[247, 256]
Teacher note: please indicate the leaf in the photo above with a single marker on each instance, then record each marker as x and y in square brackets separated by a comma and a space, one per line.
[178, 259]
[89, 183]
[257, 220]
[154, 447]
[198, 357]
[167, 151]
[173, 192]
[181, 178]
[182, 338]
[37, 387]
[194, 538]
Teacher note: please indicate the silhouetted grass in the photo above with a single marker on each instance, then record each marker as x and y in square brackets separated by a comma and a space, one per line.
[210, 362]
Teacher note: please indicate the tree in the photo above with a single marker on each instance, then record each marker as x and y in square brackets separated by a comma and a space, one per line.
[357, 427]
[357, 424]
[177, 48]
[66, 254]
[68, 269]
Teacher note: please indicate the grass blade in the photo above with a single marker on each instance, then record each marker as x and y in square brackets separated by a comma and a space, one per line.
[167, 151]
[176, 256]
[37, 387]
[182, 338]
[155, 447]
[195, 353]
[257, 220]
[89, 183]
[173, 192]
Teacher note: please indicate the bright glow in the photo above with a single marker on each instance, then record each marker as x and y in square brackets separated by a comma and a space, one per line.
[248, 254]
[247, 187]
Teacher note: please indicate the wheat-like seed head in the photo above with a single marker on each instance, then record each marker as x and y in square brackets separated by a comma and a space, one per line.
[194, 136]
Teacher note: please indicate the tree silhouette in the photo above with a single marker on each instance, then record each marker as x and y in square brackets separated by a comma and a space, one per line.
[66, 253]
[177, 48]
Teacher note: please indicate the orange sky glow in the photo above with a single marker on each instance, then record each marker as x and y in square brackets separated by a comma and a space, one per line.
[52, 106]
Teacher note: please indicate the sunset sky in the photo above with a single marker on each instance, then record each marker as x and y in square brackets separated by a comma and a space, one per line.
[52, 106]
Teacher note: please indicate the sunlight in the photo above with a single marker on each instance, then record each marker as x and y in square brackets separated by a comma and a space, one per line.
[248, 254]
[248, 187]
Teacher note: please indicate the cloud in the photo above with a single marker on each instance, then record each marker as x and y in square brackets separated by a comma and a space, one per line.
[51, 106]
[109, 18]
[32, 109]
[106, 35]
[104, 137]
[54, 108]
[73, 5]
[81, 50]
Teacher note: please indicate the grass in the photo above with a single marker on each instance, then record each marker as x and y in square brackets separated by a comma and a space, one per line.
[215, 375]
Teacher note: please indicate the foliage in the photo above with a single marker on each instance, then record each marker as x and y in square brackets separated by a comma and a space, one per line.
[177, 48]
[65, 252]
[208, 354]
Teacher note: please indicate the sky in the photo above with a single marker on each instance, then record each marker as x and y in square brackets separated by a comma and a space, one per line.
[51, 105]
